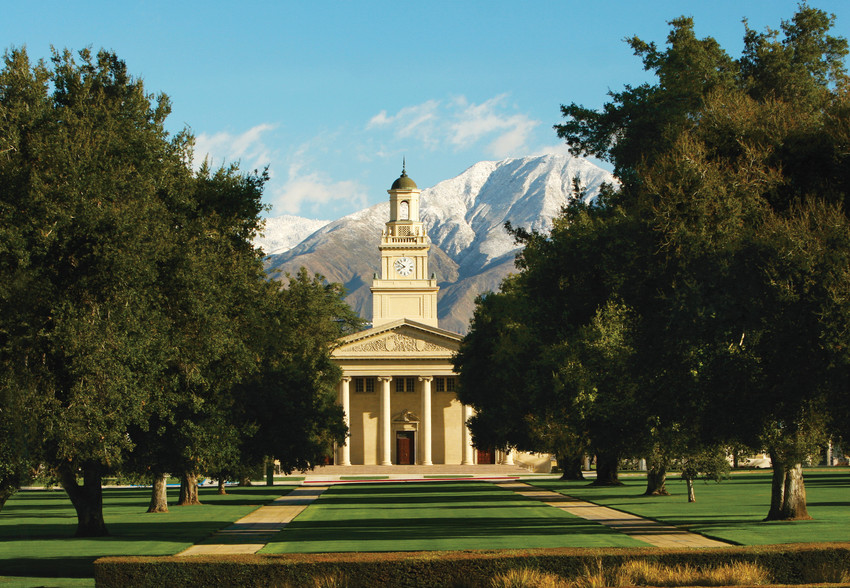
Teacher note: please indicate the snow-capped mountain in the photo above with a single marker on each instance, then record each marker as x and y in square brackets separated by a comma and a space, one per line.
[465, 216]
[282, 233]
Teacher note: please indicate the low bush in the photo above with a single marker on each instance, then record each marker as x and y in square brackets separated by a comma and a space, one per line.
[785, 564]
[526, 578]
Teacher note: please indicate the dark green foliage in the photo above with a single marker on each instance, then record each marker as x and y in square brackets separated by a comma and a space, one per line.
[85, 161]
[292, 398]
[134, 311]
[788, 564]
[704, 301]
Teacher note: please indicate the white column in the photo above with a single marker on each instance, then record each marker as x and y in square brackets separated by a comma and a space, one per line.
[426, 419]
[345, 450]
[509, 456]
[466, 442]
[385, 424]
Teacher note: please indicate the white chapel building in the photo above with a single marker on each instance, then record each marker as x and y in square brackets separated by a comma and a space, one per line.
[398, 385]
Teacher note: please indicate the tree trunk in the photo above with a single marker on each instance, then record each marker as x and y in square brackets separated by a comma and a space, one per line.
[6, 493]
[692, 497]
[246, 481]
[606, 470]
[159, 496]
[656, 481]
[270, 471]
[777, 487]
[87, 499]
[794, 498]
[221, 488]
[570, 467]
[188, 490]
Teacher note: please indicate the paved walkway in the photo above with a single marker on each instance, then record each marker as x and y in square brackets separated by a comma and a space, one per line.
[652, 532]
[251, 533]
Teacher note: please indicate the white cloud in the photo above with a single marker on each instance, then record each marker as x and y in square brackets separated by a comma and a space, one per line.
[315, 193]
[474, 122]
[459, 124]
[248, 148]
[556, 149]
[419, 121]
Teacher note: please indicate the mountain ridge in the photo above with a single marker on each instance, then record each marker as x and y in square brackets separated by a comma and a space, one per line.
[471, 252]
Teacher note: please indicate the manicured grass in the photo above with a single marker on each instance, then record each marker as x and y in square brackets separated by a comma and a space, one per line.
[435, 516]
[732, 510]
[37, 528]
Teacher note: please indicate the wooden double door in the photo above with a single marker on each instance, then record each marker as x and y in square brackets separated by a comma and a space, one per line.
[405, 447]
[486, 456]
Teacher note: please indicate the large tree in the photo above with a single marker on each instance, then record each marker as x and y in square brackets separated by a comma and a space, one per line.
[213, 280]
[291, 399]
[549, 360]
[703, 301]
[133, 301]
[742, 184]
[85, 165]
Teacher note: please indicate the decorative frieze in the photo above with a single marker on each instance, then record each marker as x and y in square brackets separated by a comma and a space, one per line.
[396, 342]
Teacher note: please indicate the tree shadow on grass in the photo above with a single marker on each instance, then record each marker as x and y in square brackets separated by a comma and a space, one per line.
[437, 528]
[49, 567]
[419, 488]
[354, 501]
[830, 480]
[154, 530]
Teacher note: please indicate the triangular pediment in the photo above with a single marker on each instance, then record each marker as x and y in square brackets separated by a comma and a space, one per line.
[403, 338]
[405, 416]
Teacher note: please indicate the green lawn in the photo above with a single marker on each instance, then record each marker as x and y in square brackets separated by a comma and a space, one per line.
[37, 528]
[732, 510]
[435, 516]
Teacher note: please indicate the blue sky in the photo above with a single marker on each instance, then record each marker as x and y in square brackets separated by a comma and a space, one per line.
[332, 95]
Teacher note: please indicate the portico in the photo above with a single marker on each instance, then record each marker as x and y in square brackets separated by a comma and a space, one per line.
[398, 395]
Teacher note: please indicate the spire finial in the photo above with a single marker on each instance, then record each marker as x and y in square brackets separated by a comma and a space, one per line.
[403, 166]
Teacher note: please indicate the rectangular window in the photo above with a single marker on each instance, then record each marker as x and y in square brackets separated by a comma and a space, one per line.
[404, 384]
[364, 385]
[450, 384]
[440, 384]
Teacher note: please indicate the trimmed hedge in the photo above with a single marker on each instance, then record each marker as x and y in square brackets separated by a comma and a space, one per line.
[789, 564]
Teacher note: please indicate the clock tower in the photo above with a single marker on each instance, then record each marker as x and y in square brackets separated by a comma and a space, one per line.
[404, 290]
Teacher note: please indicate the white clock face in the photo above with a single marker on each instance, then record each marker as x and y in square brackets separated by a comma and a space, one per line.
[404, 266]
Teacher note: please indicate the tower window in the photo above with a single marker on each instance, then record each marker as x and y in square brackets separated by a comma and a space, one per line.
[404, 210]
